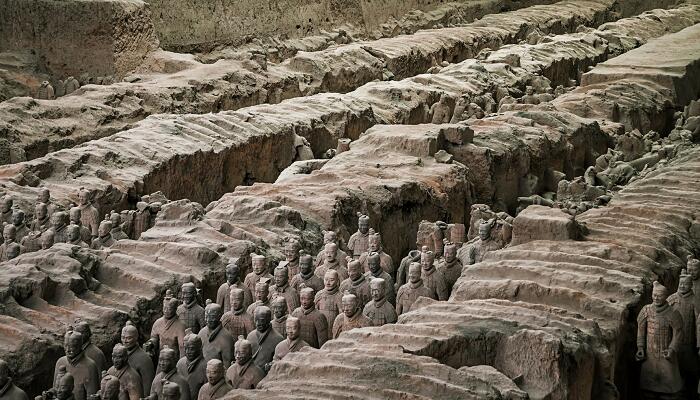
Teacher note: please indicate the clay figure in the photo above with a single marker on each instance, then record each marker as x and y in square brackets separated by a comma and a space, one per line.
[293, 342]
[41, 222]
[379, 310]
[138, 358]
[330, 237]
[306, 276]
[281, 288]
[450, 266]
[402, 273]
[683, 302]
[376, 271]
[104, 237]
[6, 209]
[167, 365]
[351, 317]
[313, 324]
[8, 390]
[216, 386]
[374, 245]
[263, 339]
[21, 228]
[259, 272]
[412, 290]
[129, 379]
[92, 351]
[262, 296]
[83, 369]
[328, 301]
[45, 91]
[88, 213]
[244, 374]
[75, 216]
[279, 315]
[356, 283]
[332, 263]
[192, 366]
[117, 232]
[217, 342]
[168, 330]
[291, 256]
[359, 240]
[74, 238]
[233, 280]
[440, 112]
[237, 321]
[190, 312]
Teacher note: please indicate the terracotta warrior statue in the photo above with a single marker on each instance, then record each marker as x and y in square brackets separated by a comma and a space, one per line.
[279, 315]
[83, 369]
[8, 390]
[217, 343]
[264, 339]
[682, 301]
[306, 276]
[216, 386]
[138, 358]
[281, 288]
[262, 296]
[42, 221]
[47, 239]
[233, 280]
[92, 351]
[475, 250]
[74, 238]
[45, 91]
[244, 374]
[376, 271]
[59, 223]
[6, 209]
[329, 300]
[375, 246]
[192, 366]
[351, 317]
[293, 342]
[21, 228]
[356, 283]
[259, 272]
[432, 278]
[694, 272]
[117, 232]
[75, 216]
[190, 312]
[440, 112]
[332, 263]
[450, 266]
[44, 197]
[129, 379]
[359, 241]
[313, 324]
[659, 335]
[412, 290]
[9, 238]
[330, 237]
[88, 213]
[104, 237]
[110, 389]
[379, 311]
[291, 256]
[65, 388]
[167, 365]
[237, 321]
[168, 330]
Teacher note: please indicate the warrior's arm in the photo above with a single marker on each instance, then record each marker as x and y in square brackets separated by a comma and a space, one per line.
[677, 326]
[642, 329]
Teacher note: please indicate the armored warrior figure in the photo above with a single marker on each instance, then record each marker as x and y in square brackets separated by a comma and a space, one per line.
[192, 366]
[8, 390]
[47, 239]
[117, 232]
[351, 317]
[379, 310]
[88, 214]
[9, 238]
[104, 236]
[263, 339]
[659, 335]
[59, 224]
[42, 221]
[65, 388]
[262, 296]
[332, 263]
[402, 273]
[45, 91]
[216, 386]
[237, 321]
[682, 301]
[259, 272]
[217, 343]
[21, 229]
[291, 255]
[244, 374]
[92, 351]
[359, 241]
[138, 358]
[168, 330]
[233, 280]
[475, 250]
[190, 312]
[440, 112]
[450, 266]
[375, 246]
[329, 300]
[75, 216]
[129, 380]
[281, 288]
[83, 369]
[694, 272]
[313, 324]
[167, 365]
[110, 388]
[71, 85]
[330, 237]
[172, 391]
[306, 276]
[74, 236]
[376, 271]
[432, 278]
[411, 291]
[356, 283]
[279, 314]
[6, 210]
[293, 342]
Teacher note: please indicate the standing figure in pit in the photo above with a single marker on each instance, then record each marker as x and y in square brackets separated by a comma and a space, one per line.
[359, 241]
[190, 312]
[351, 317]
[192, 366]
[376, 271]
[330, 237]
[450, 266]
[129, 380]
[42, 221]
[74, 237]
[6, 210]
[332, 263]
[375, 246]
[117, 232]
[237, 321]
[281, 288]
[682, 301]
[329, 300]
[356, 283]
[412, 290]
[291, 256]
[293, 342]
[233, 280]
[313, 324]
[92, 351]
[262, 296]
[475, 250]
[138, 358]
[264, 339]
[659, 335]
[217, 343]
[167, 365]
[104, 237]
[168, 330]
[76, 363]
[75, 216]
[244, 374]
[216, 386]
[279, 315]
[306, 276]
[88, 213]
[259, 272]
[432, 278]
[8, 390]
[379, 310]
[21, 228]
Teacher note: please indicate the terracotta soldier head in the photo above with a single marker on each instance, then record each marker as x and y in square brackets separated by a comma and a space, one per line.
[188, 293]
[120, 356]
[363, 223]
[305, 263]
[237, 298]
[263, 317]
[171, 391]
[279, 307]
[377, 288]
[115, 219]
[104, 229]
[426, 259]
[350, 304]
[330, 237]
[44, 196]
[659, 294]
[73, 232]
[685, 283]
[7, 204]
[374, 242]
[293, 326]
[291, 250]
[167, 359]
[243, 351]
[83, 328]
[215, 371]
[170, 307]
[9, 234]
[414, 273]
[75, 215]
[262, 291]
[450, 252]
[17, 217]
[233, 272]
[485, 229]
[212, 315]
[193, 346]
[41, 210]
[84, 197]
[281, 275]
[374, 262]
[694, 268]
[130, 336]
[73, 344]
[354, 270]
[259, 264]
[65, 387]
[330, 251]
[306, 298]
[47, 239]
[330, 280]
